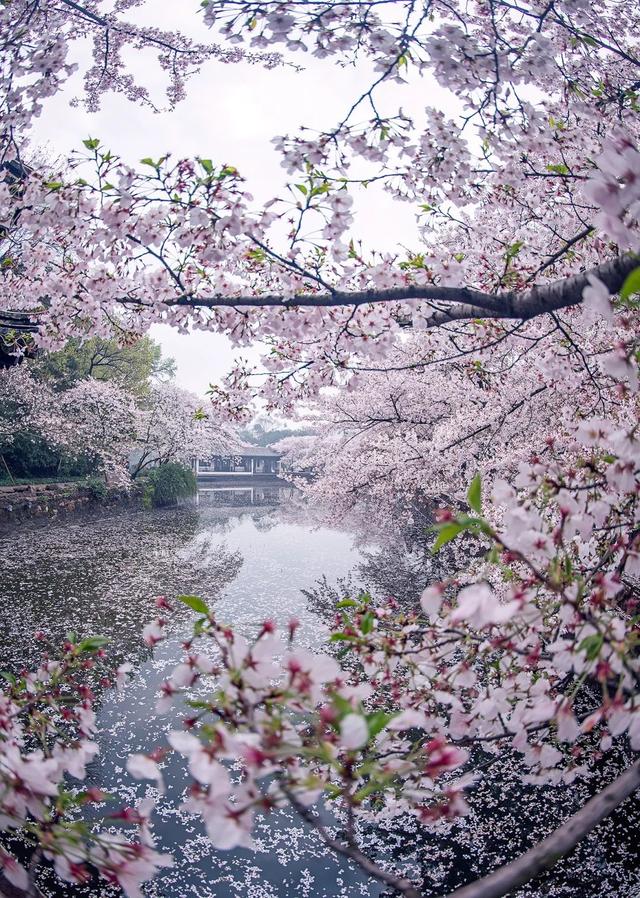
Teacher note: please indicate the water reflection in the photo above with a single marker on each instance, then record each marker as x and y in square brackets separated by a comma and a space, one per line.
[249, 495]
[246, 551]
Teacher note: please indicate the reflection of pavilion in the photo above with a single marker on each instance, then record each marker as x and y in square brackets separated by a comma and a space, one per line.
[245, 495]
[248, 461]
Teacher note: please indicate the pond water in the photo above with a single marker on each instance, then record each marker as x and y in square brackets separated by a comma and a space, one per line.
[248, 553]
[252, 554]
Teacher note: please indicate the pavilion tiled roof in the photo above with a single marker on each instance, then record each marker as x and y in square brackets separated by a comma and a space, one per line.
[257, 452]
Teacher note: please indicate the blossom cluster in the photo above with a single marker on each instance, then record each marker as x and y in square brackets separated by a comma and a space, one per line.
[47, 728]
[530, 653]
[536, 193]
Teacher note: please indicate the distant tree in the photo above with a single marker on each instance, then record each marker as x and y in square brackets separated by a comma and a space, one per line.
[133, 365]
[171, 426]
[99, 422]
[265, 430]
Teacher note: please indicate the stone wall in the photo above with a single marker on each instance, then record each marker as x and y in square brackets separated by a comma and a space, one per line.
[48, 501]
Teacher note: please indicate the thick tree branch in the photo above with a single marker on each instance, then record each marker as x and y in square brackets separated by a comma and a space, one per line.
[465, 302]
[545, 854]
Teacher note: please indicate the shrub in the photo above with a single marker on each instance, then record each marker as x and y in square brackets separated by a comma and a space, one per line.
[29, 455]
[98, 489]
[168, 483]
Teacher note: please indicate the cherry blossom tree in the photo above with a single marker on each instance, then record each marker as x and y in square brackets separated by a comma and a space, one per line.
[93, 418]
[411, 431]
[171, 425]
[124, 433]
[526, 196]
[20, 396]
[519, 302]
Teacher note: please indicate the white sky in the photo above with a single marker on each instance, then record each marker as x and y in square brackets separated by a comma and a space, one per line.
[230, 115]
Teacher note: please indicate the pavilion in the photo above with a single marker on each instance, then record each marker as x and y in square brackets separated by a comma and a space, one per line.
[247, 461]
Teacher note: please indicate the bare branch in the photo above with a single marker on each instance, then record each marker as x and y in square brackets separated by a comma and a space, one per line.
[351, 851]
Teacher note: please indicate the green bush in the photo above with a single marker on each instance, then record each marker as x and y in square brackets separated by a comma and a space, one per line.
[29, 456]
[167, 484]
[98, 489]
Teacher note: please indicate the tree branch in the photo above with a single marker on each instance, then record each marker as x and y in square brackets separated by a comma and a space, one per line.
[510, 877]
[351, 851]
[466, 303]
[507, 879]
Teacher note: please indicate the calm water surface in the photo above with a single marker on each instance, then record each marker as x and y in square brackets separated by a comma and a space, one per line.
[249, 553]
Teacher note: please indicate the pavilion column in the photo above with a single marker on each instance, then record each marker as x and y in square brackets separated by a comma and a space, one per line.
[253, 462]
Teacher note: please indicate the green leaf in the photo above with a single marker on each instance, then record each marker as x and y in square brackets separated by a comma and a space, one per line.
[332, 791]
[9, 677]
[372, 786]
[631, 284]
[200, 625]
[341, 637]
[589, 41]
[591, 646]
[53, 185]
[377, 721]
[558, 168]
[207, 165]
[148, 161]
[302, 188]
[366, 624]
[91, 143]
[474, 494]
[343, 707]
[346, 603]
[195, 603]
[447, 532]
[92, 643]
[198, 704]
[513, 250]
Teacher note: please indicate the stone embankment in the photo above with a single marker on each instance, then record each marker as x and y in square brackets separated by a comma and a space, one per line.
[46, 501]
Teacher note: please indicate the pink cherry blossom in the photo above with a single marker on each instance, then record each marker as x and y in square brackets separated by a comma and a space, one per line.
[479, 606]
[354, 732]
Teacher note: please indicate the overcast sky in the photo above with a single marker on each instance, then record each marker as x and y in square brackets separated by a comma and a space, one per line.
[230, 115]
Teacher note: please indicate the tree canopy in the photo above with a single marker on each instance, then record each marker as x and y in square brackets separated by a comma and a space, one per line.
[133, 366]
